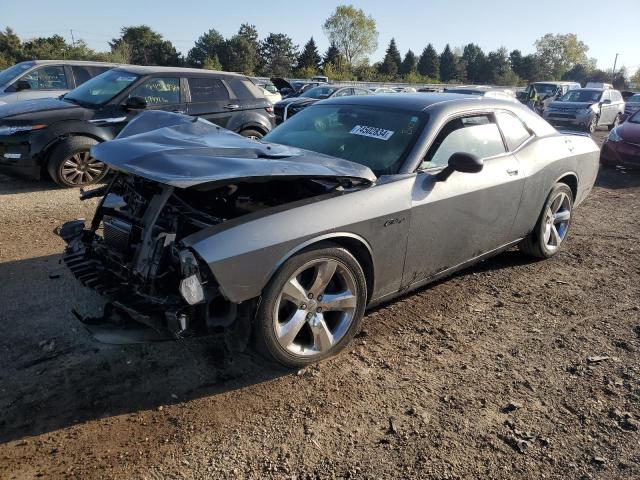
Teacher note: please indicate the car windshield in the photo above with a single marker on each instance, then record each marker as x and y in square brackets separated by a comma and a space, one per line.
[585, 96]
[377, 138]
[635, 118]
[319, 92]
[99, 90]
[545, 88]
[12, 72]
[634, 99]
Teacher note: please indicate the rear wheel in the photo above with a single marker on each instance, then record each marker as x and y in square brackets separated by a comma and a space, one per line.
[252, 134]
[71, 164]
[615, 123]
[312, 307]
[553, 224]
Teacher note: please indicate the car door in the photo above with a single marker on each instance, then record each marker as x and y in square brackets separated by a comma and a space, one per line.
[45, 81]
[160, 93]
[209, 98]
[468, 214]
[606, 108]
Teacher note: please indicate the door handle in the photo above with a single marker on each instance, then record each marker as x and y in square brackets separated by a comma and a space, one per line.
[232, 106]
[512, 171]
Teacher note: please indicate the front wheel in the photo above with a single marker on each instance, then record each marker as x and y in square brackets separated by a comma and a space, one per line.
[252, 134]
[553, 224]
[593, 125]
[71, 164]
[615, 123]
[312, 307]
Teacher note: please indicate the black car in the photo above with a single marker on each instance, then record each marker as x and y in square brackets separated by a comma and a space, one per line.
[54, 136]
[290, 106]
[295, 87]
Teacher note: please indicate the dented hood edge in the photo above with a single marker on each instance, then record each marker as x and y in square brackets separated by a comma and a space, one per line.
[182, 151]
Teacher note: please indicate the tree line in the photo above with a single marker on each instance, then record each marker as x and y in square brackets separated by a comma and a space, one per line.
[353, 36]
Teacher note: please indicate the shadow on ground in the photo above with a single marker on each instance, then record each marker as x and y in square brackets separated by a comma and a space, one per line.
[54, 375]
[617, 178]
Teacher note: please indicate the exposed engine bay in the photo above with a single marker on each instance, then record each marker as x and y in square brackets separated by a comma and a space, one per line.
[133, 252]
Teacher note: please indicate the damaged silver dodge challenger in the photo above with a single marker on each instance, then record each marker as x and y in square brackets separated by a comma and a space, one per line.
[350, 203]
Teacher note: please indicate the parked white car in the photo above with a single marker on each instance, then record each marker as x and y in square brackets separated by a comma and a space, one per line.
[46, 78]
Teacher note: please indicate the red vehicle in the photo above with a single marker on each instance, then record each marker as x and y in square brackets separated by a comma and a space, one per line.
[622, 146]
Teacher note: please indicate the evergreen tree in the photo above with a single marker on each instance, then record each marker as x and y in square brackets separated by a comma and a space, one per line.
[447, 64]
[331, 56]
[409, 64]
[429, 64]
[278, 55]
[209, 45]
[475, 62]
[392, 60]
[309, 58]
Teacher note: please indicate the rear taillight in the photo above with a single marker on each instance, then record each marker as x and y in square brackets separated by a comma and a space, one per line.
[269, 109]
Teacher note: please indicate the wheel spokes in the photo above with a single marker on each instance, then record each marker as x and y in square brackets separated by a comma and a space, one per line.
[561, 216]
[323, 275]
[338, 301]
[288, 331]
[294, 292]
[322, 336]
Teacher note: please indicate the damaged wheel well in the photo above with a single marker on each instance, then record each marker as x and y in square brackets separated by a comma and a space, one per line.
[358, 249]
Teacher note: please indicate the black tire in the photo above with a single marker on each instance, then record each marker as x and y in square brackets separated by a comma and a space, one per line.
[252, 133]
[615, 123]
[534, 243]
[76, 151]
[267, 320]
[593, 125]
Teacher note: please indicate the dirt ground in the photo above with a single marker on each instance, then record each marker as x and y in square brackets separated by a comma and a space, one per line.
[511, 369]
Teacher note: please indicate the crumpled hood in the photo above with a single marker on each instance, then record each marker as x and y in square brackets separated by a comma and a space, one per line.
[183, 151]
[28, 107]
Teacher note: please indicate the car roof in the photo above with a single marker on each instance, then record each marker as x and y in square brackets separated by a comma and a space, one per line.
[150, 70]
[70, 62]
[417, 102]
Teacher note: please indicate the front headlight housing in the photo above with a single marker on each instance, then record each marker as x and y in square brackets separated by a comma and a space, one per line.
[13, 129]
[614, 136]
[582, 111]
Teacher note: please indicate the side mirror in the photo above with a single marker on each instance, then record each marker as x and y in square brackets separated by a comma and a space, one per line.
[135, 103]
[461, 162]
[21, 85]
[606, 102]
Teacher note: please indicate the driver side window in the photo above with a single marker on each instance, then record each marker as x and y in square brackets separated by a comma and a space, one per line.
[477, 134]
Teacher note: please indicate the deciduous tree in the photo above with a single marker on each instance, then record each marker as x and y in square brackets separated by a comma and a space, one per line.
[353, 32]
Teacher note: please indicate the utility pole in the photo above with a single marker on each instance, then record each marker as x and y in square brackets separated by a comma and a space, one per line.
[613, 73]
[73, 40]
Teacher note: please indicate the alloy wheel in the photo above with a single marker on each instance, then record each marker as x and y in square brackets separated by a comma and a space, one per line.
[556, 222]
[315, 307]
[81, 168]
[593, 125]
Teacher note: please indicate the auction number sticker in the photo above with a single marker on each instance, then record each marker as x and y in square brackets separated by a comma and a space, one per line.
[125, 79]
[373, 132]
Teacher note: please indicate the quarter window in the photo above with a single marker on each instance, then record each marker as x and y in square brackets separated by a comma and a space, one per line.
[81, 74]
[158, 91]
[514, 131]
[47, 78]
[477, 135]
[207, 90]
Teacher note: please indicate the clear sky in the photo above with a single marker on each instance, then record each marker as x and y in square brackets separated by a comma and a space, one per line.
[606, 27]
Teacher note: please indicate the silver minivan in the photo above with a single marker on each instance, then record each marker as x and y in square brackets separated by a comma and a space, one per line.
[46, 78]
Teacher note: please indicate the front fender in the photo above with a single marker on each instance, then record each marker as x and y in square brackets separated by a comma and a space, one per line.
[244, 253]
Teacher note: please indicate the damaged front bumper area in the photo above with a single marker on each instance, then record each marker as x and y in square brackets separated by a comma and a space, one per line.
[131, 253]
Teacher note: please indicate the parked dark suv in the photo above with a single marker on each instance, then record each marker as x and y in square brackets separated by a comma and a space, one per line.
[55, 136]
